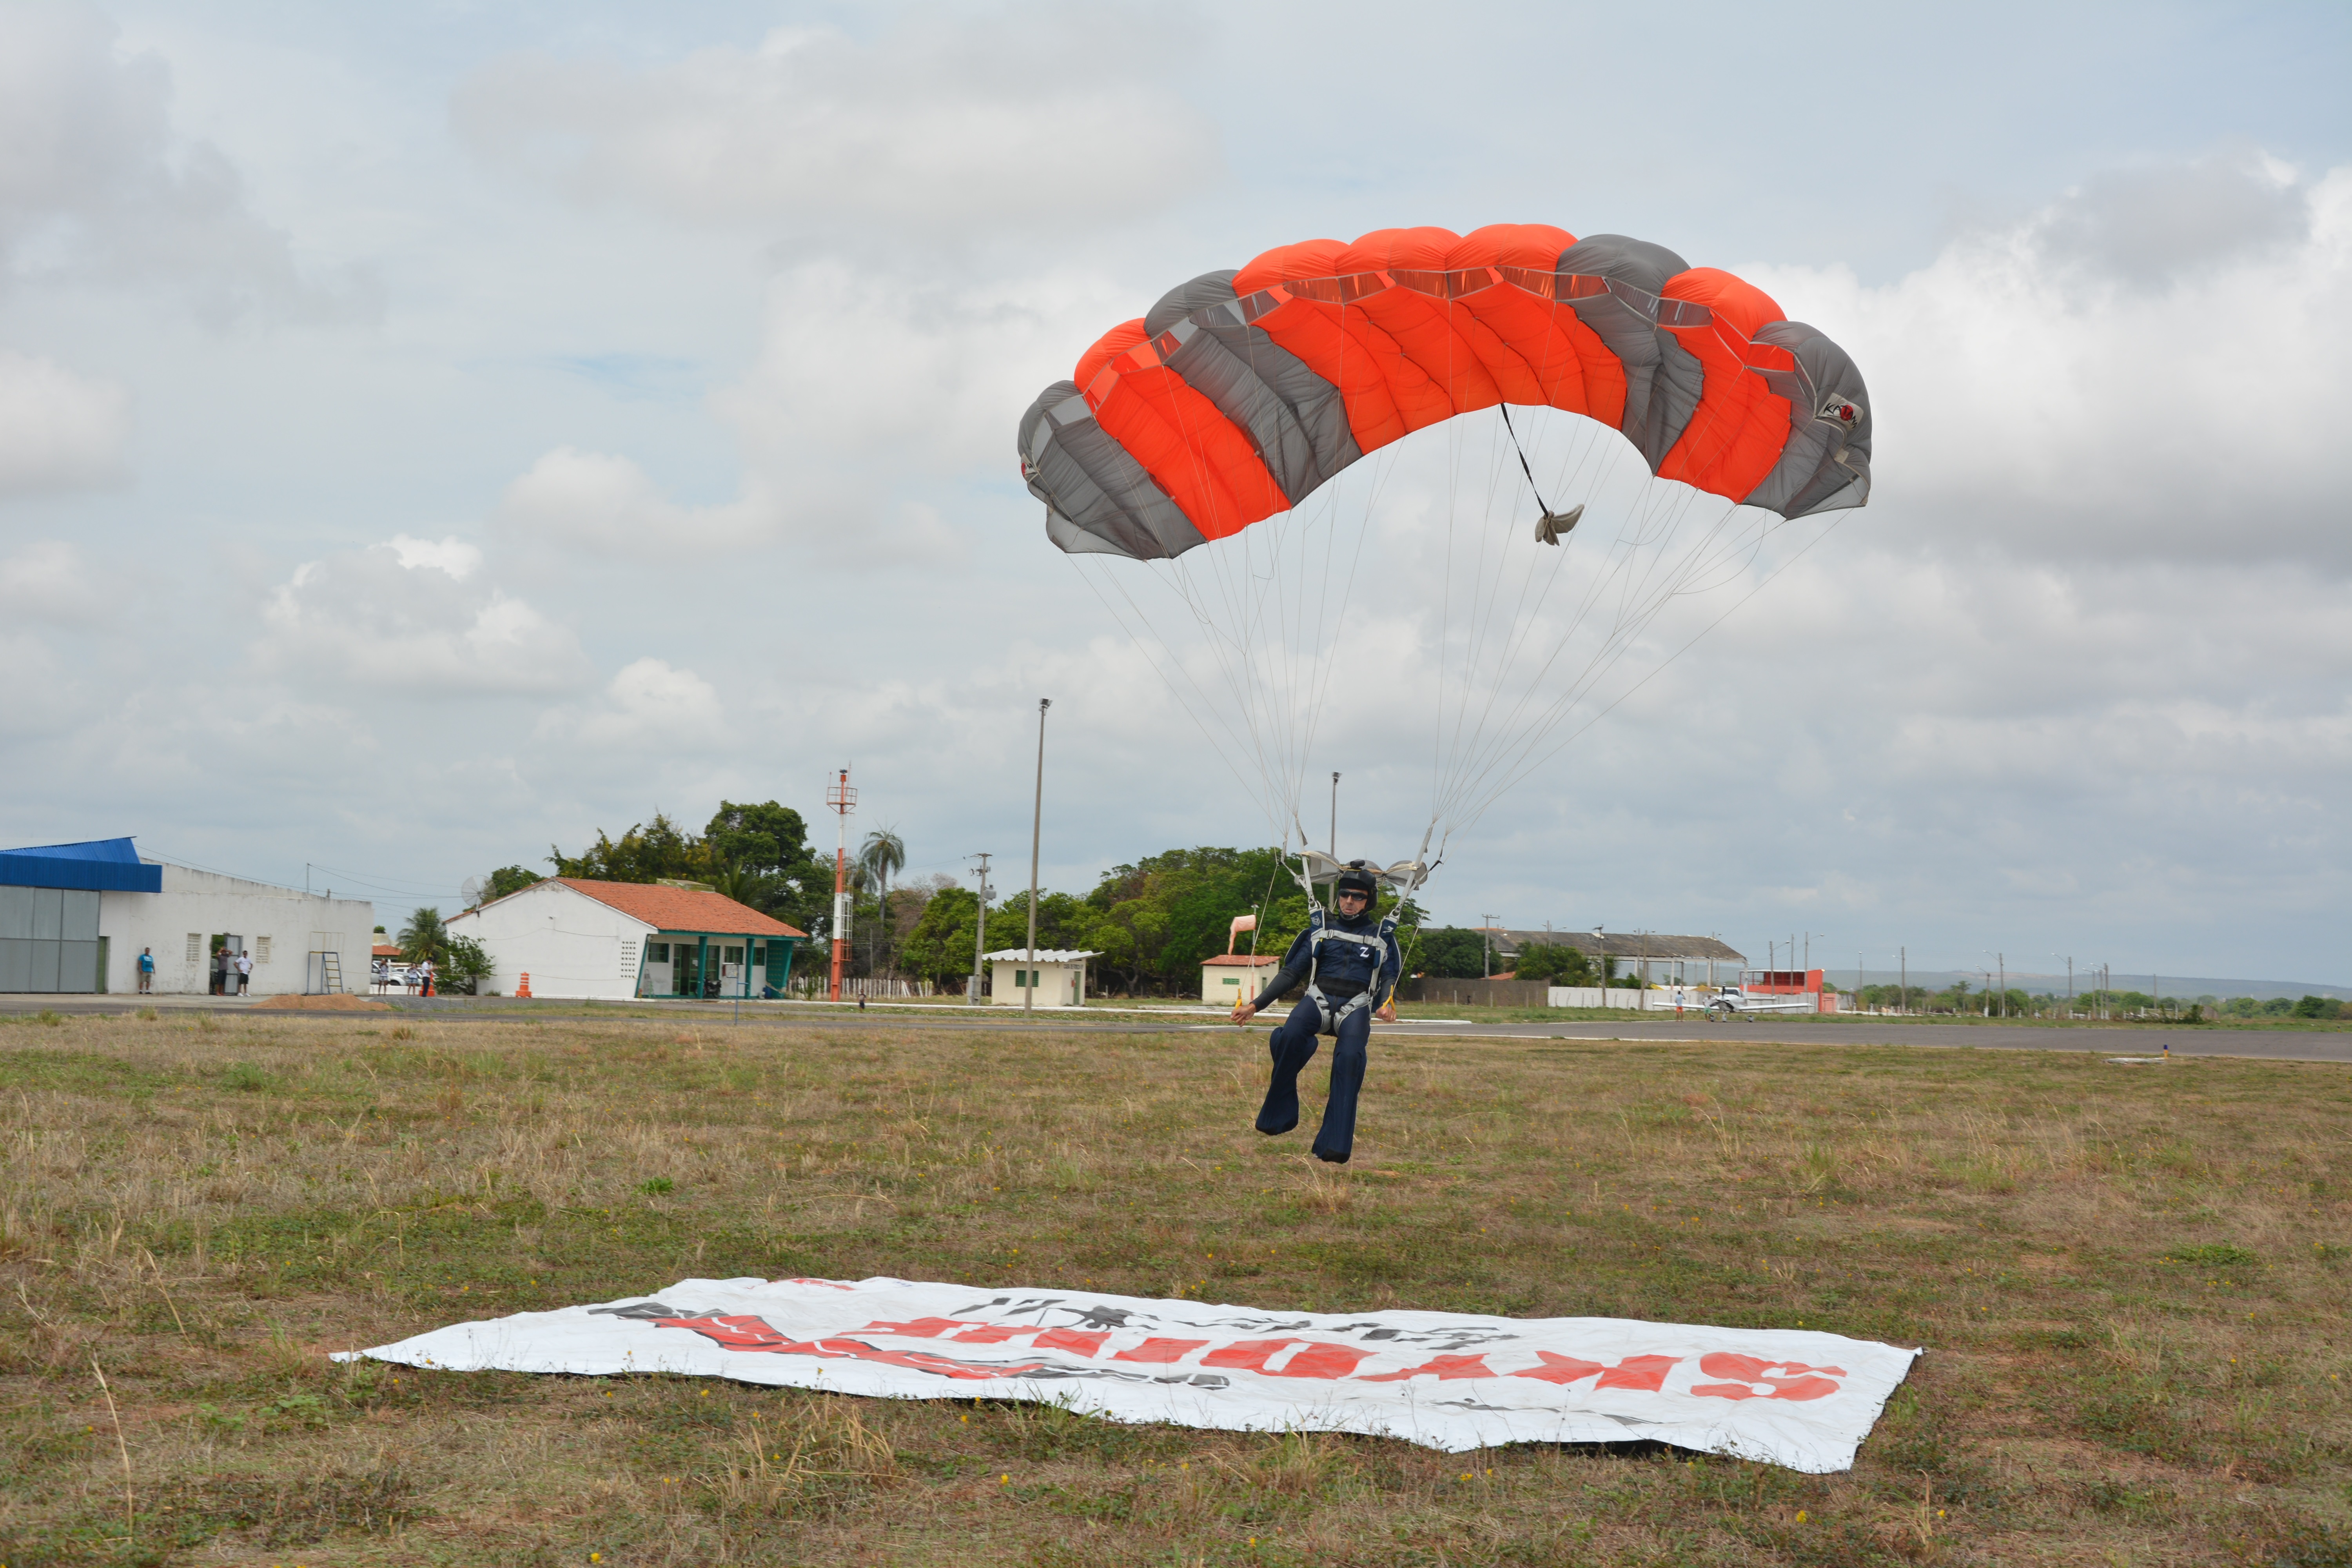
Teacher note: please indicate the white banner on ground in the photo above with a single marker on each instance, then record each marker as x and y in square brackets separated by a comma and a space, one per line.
[1450, 1381]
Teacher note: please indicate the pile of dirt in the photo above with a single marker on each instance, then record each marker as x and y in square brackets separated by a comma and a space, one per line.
[343, 1002]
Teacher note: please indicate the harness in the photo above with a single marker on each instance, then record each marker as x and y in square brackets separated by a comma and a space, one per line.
[1404, 875]
[1317, 933]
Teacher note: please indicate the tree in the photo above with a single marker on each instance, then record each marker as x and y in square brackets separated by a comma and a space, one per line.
[1558, 963]
[467, 965]
[882, 853]
[940, 947]
[773, 840]
[507, 879]
[1451, 953]
[425, 938]
[2316, 1007]
[646, 853]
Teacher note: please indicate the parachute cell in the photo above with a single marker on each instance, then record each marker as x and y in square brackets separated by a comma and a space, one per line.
[1242, 393]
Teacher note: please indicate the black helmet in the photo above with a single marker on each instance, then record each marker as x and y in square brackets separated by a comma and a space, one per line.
[1356, 879]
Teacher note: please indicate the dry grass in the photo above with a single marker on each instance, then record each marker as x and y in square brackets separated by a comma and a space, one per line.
[2130, 1280]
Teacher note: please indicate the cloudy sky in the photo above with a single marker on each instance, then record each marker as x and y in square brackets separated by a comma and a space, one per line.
[428, 433]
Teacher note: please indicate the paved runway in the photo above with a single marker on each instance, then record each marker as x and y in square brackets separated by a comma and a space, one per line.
[2276, 1045]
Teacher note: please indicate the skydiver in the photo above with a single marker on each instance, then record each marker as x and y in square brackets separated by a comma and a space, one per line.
[1349, 961]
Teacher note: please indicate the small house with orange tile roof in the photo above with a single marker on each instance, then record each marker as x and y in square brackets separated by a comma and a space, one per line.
[587, 939]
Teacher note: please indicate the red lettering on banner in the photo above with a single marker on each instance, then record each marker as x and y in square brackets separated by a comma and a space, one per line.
[1246, 1355]
[1560, 1368]
[749, 1333]
[1643, 1372]
[1160, 1352]
[1444, 1368]
[919, 1329]
[1325, 1360]
[1783, 1379]
[1320, 1359]
[1647, 1372]
[1085, 1342]
[989, 1334]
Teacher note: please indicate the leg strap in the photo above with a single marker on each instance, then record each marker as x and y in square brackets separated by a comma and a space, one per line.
[1332, 1016]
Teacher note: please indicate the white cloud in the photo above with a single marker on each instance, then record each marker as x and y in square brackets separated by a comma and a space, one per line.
[398, 622]
[96, 186]
[610, 506]
[48, 581]
[1013, 121]
[58, 430]
[647, 704]
[451, 554]
[2081, 386]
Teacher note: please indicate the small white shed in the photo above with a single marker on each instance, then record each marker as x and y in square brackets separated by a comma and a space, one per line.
[1231, 977]
[1059, 975]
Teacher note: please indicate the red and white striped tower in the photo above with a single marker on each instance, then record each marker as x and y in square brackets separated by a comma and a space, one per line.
[843, 800]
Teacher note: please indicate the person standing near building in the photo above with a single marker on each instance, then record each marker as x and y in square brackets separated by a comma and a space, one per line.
[244, 972]
[220, 970]
[146, 970]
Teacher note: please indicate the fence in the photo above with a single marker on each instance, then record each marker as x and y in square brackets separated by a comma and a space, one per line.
[1538, 994]
[818, 985]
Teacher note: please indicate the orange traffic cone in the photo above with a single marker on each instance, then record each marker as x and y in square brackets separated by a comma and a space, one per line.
[523, 989]
[428, 980]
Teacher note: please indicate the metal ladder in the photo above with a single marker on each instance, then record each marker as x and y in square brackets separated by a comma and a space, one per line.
[331, 972]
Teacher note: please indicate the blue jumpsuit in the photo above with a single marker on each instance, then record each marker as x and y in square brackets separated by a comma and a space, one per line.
[1354, 958]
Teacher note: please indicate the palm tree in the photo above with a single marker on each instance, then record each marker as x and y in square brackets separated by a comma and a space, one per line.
[882, 853]
[425, 938]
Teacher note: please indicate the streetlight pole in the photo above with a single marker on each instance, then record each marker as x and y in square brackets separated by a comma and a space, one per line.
[843, 800]
[1335, 817]
[979, 935]
[1036, 825]
[1903, 985]
[1485, 941]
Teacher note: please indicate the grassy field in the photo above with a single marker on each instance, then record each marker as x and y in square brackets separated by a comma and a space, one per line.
[2131, 1281]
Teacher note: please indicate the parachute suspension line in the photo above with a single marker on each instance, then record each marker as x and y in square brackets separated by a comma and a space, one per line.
[1536, 586]
[1512, 763]
[1620, 583]
[1478, 608]
[1533, 489]
[1169, 679]
[1829, 525]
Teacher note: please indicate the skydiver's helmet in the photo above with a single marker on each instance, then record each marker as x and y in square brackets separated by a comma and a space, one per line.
[1356, 879]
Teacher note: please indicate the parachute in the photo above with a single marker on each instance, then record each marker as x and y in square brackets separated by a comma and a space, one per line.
[1208, 445]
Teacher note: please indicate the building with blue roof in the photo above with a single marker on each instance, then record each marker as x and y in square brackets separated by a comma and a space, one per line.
[77, 919]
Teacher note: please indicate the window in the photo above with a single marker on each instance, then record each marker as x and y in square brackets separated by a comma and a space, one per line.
[195, 947]
[732, 955]
[261, 949]
[759, 955]
[656, 952]
[1233, 979]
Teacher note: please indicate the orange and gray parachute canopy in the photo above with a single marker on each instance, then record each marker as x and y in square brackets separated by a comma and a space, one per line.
[1241, 393]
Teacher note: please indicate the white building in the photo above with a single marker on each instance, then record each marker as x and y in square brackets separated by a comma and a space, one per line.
[1060, 977]
[76, 917]
[617, 941]
[1231, 977]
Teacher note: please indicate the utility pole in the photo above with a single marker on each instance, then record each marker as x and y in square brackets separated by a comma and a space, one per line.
[980, 936]
[1903, 987]
[1036, 825]
[2003, 960]
[1335, 817]
[2070, 982]
[843, 800]
[1485, 941]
